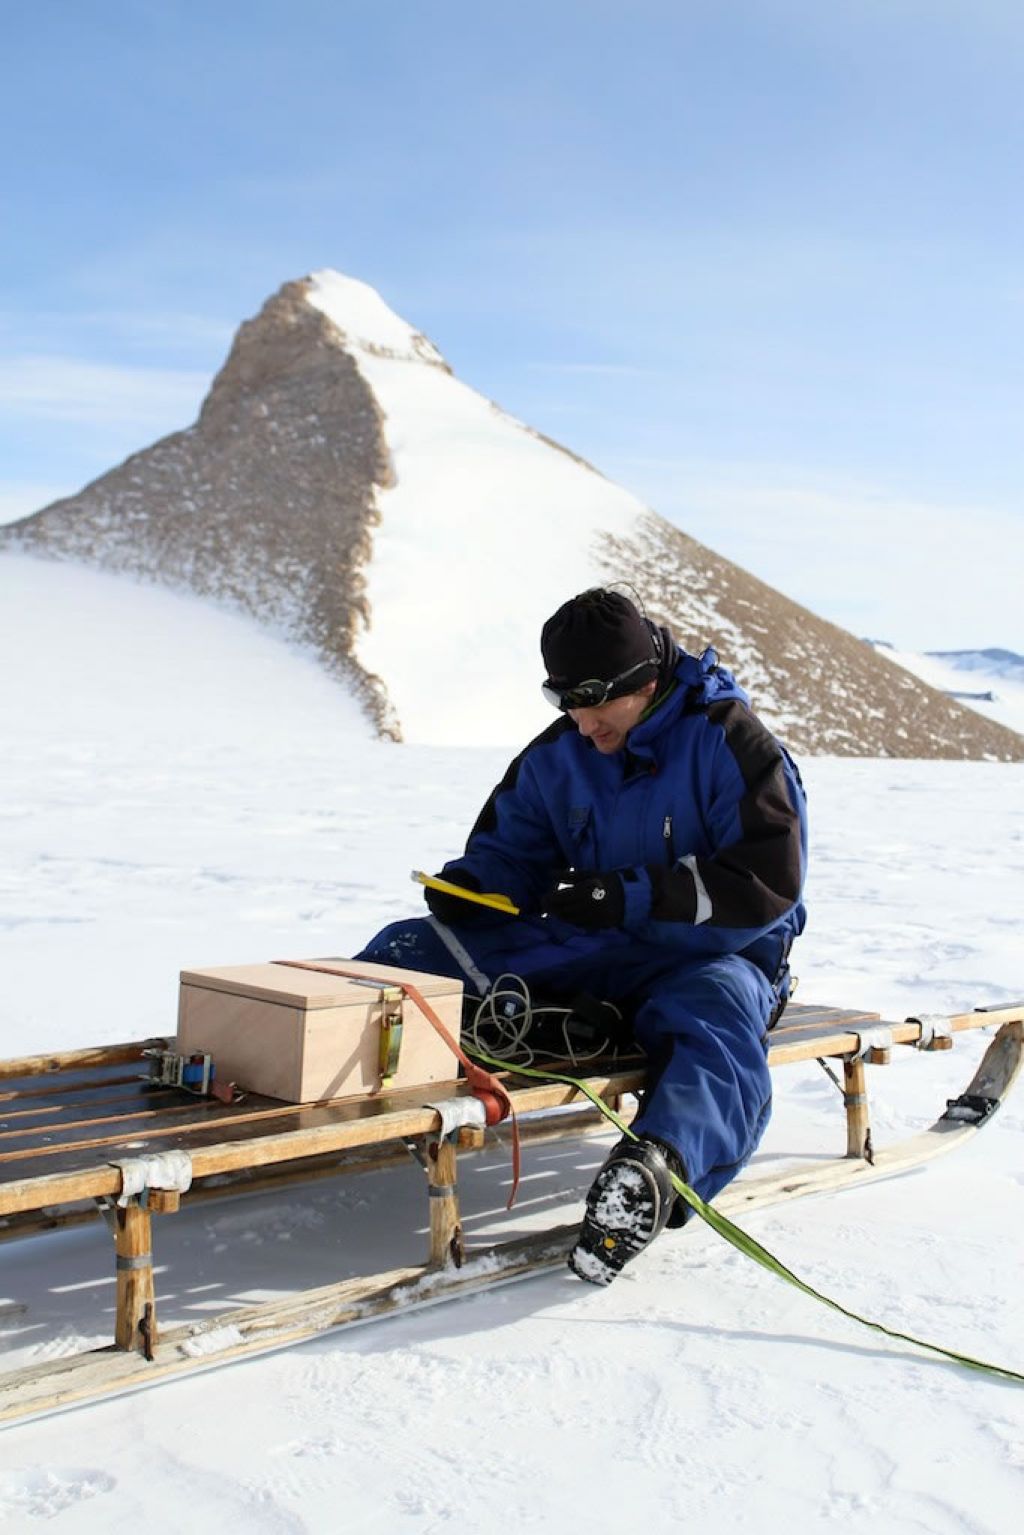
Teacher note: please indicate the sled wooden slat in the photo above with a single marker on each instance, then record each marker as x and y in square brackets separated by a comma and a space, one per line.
[39, 1119]
[56, 1088]
[111, 1120]
[70, 1121]
[71, 1060]
[800, 1042]
[817, 1016]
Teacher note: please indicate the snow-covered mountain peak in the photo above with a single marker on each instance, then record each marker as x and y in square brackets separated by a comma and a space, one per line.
[396, 522]
[366, 322]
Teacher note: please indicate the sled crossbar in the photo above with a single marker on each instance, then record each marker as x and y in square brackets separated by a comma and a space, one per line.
[67, 1121]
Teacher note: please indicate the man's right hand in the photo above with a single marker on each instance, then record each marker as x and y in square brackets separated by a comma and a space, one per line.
[590, 901]
[448, 908]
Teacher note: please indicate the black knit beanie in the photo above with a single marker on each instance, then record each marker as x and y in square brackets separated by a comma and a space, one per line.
[598, 634]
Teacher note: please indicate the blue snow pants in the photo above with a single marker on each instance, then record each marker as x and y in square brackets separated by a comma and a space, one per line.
[703, 1024]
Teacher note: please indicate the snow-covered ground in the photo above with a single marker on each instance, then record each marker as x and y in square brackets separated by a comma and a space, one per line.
[178, 789]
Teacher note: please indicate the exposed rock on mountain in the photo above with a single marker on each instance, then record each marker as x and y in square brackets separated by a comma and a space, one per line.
[342, 486]
[266, 503]
[819, 687]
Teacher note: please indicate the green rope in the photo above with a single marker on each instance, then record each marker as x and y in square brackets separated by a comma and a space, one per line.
[742, 1240]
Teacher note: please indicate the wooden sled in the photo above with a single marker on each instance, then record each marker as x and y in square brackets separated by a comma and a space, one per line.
[67, 1119]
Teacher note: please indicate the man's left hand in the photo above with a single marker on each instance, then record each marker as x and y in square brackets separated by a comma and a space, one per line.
[590, 901]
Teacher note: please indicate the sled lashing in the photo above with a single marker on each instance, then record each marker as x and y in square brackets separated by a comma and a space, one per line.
[89, 1131]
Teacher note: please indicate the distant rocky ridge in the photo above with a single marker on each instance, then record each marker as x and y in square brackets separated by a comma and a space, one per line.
[270, 503]
[992, 660]
[997, 662]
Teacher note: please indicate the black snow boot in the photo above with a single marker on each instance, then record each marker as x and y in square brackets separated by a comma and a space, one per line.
[628, 1204]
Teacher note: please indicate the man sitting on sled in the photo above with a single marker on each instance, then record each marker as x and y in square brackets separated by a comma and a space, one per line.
[654, 840]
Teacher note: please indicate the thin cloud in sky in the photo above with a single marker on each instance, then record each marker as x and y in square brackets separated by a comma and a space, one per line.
[73, 390]
[21, 499]
[920, 573]
[615, 369]
[170, 328]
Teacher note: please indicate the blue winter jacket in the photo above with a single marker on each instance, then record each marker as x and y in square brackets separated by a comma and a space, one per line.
[702, 813]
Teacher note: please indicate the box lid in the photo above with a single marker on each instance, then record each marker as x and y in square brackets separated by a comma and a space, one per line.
[293, 987]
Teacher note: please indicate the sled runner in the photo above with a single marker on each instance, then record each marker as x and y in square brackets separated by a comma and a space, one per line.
[91, 1129]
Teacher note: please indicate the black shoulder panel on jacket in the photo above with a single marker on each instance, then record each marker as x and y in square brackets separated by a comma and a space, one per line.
[487, 819]
[752, 744]
[755, 880]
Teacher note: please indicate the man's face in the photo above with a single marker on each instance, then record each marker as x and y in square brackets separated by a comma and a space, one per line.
[609, 724]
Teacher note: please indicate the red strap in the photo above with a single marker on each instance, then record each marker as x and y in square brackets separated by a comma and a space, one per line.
[490, 1090]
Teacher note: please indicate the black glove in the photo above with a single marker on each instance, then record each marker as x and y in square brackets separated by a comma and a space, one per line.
[590, 900]
[448, 908]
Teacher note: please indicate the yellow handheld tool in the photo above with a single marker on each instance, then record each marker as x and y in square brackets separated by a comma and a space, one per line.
[492, 899]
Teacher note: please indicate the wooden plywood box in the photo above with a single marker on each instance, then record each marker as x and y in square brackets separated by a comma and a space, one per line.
[303, 1036]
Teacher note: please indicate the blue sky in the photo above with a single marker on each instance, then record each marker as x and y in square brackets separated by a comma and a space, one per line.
[760, 261]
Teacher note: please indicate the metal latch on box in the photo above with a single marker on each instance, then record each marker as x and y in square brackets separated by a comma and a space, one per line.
[391, 999]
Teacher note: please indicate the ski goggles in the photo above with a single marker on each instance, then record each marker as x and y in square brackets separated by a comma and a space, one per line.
[592, 693]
